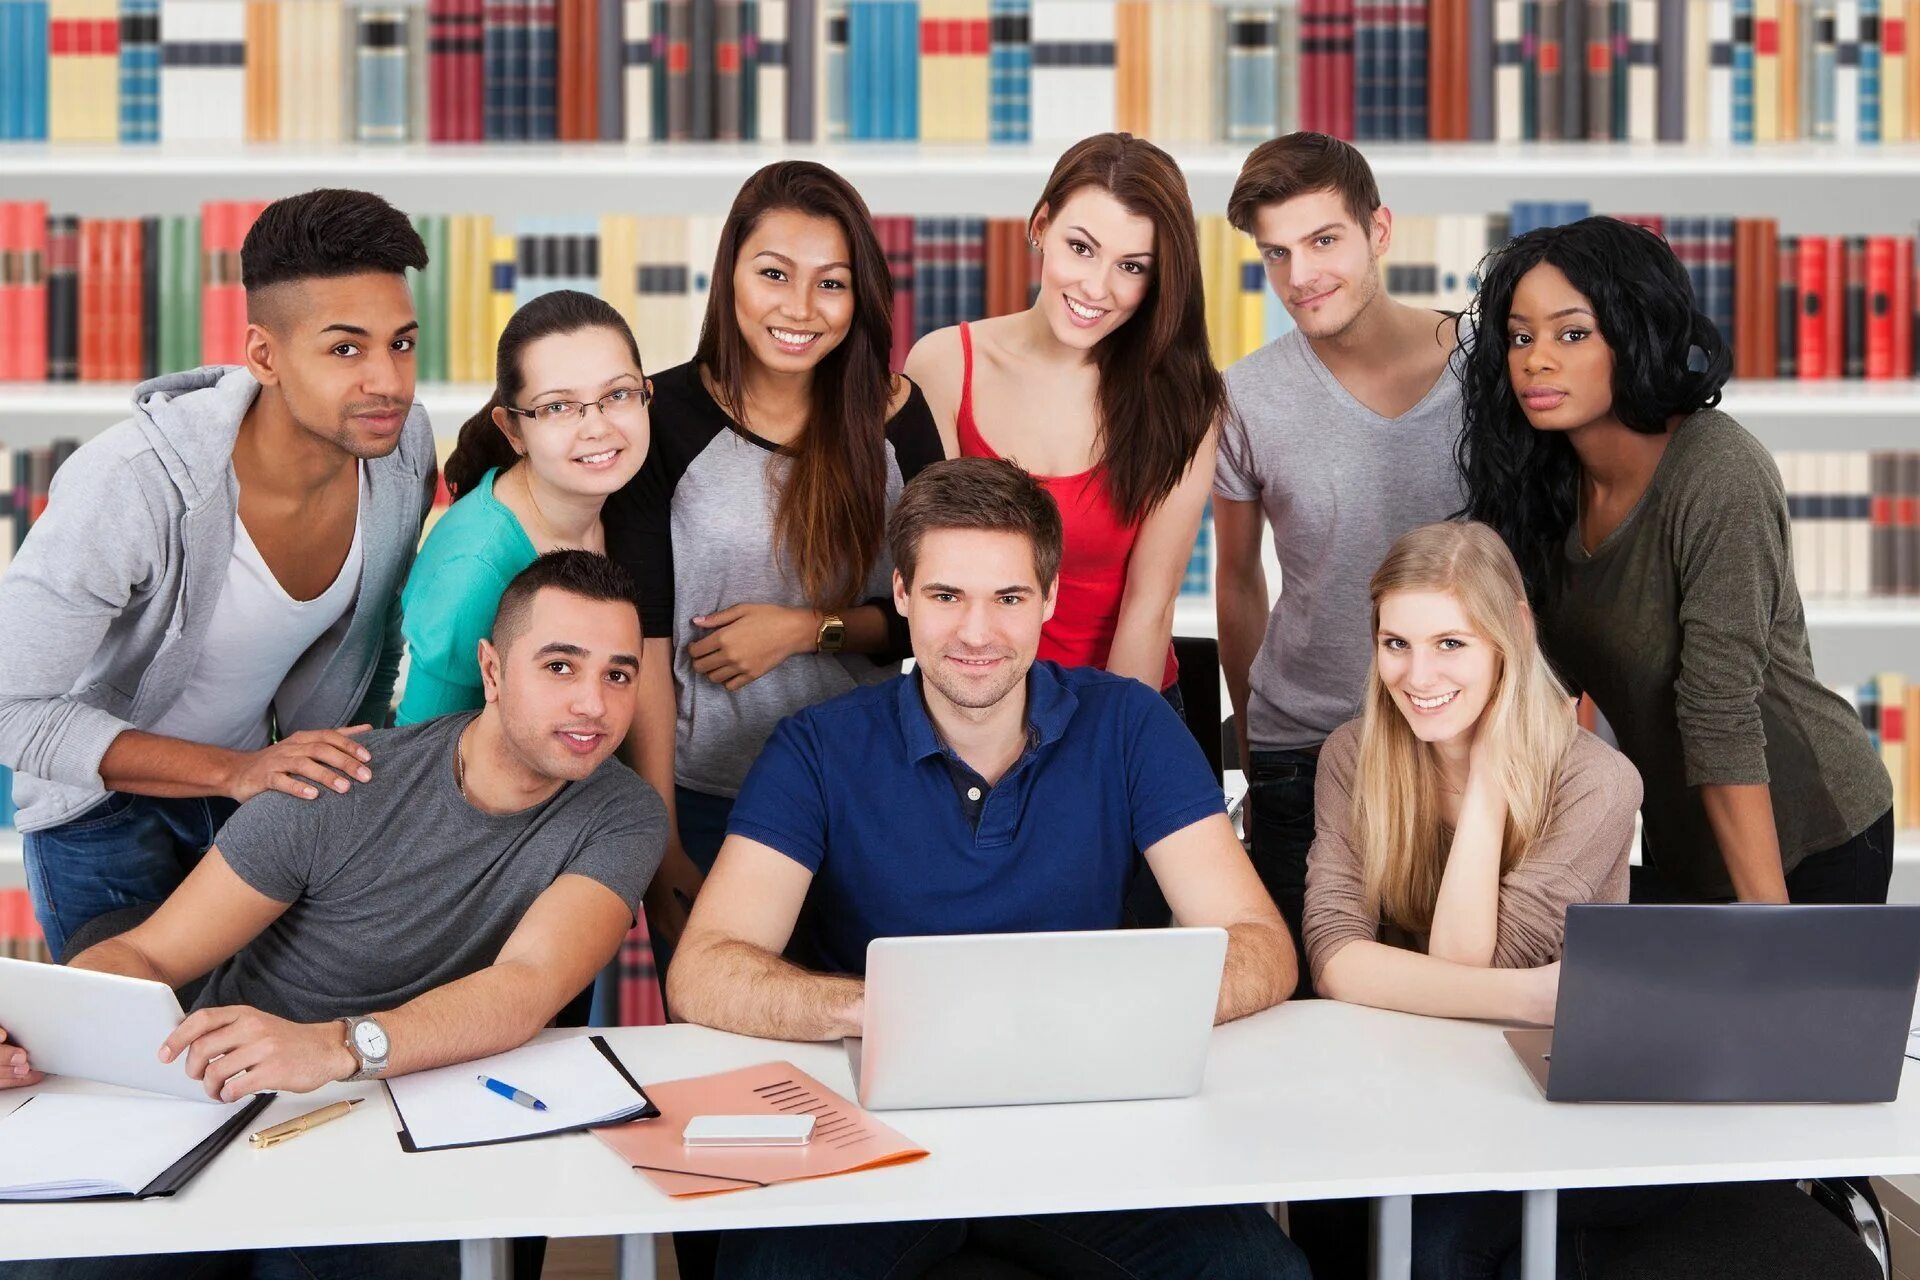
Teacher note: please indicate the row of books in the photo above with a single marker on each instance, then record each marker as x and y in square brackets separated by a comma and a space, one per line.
[118, 299]
[1889, 706]
[26, 475]
[113, 300]
[1855, 522]
[1180, 71]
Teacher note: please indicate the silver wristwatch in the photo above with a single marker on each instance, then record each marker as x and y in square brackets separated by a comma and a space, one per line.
[367, 1042]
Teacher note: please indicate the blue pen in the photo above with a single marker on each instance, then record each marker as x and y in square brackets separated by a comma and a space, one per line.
[512, 1094]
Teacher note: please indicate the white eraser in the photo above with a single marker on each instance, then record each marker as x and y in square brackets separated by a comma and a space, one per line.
[748, 1131]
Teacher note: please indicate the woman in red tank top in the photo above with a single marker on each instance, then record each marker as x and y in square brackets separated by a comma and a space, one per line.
[1105, 390]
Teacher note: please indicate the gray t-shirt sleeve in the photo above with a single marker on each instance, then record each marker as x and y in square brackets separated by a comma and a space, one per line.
[622, 847]
[276, 842]
[1235, 474]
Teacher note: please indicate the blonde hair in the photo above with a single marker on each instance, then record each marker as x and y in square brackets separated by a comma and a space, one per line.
[1398, 825]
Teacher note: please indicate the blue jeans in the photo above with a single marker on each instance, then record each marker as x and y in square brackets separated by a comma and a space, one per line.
[1221, 1242]
[128, 851]
[438, 1260]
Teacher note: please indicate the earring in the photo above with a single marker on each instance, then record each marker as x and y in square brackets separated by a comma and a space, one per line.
[1033, 243]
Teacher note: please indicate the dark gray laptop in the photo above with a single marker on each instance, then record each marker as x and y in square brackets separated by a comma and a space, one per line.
[1729, 1004]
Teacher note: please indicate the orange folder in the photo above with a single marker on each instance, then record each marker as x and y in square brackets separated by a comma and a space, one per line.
[845, 1138]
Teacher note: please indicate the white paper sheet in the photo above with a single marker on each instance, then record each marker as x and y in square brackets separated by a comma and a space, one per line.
[448, 1107]
[1913, 1043]
[59, 1145]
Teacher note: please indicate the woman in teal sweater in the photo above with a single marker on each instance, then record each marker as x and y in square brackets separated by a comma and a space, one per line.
[567, 426]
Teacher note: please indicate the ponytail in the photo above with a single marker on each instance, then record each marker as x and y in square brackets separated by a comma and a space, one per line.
[482, 444]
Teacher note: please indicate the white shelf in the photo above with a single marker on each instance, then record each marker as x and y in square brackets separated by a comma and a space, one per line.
[1834, 614]
[1850, 191]
[1874, 404]
[1533, 162]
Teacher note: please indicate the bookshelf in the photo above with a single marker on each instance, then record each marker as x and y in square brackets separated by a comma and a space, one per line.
[1815, 188]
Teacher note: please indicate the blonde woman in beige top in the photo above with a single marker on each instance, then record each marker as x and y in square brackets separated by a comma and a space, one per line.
[1465, 809]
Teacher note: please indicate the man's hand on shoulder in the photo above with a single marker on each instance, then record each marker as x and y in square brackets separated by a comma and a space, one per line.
[236, 1050]
[301, 763]
[15, 1070]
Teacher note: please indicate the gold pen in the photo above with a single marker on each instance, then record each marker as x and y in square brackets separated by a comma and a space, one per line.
[276, 1134]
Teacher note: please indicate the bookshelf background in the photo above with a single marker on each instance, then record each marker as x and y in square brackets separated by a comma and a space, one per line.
[1816, 189]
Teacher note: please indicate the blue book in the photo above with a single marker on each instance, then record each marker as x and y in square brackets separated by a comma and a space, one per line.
[542, 49]
[1010, 71]
[906, 47]
[500, 116]
[860, 69]
[1386, 71]
[1719, 263]
[1413, 73]
[1743, 68]
[1869, 70]
[139, 70]
[973, 272]
[6, 796]
[23, 70]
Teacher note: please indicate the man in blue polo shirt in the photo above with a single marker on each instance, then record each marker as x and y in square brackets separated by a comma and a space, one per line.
[985, 793]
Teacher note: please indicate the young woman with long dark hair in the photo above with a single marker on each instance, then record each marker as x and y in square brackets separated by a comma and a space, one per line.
[756, 528]
[1652, 530]
[1105, 390]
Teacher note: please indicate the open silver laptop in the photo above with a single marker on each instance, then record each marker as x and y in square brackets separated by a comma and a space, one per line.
[1007, 1018]
[1729, 1004]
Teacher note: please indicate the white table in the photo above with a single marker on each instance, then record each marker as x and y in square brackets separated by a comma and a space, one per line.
[1309, 1101]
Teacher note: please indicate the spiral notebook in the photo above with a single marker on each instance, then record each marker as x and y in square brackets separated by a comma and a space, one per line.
[82, 1146]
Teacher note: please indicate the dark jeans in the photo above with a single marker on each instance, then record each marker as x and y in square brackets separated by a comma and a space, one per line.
[127, 851]
[1280, 820]
[430, 1261]
[703, 824]
[1215, 1243]
[1857, 870]
[1737, 1231]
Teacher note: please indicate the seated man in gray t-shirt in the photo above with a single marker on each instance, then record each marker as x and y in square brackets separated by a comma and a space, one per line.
[443, 911]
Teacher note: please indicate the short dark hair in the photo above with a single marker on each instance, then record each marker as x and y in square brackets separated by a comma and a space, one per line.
[326, 234]
[586, 574]
[1297, 164]
[976, 493]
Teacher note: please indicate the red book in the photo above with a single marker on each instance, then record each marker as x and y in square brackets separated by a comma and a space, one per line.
[579, 72]
[1766, 321]
[456, 58]
[896, 237]
[1312, 66]
[131, 329]
[1811, 271]
[1746, 285]
[1902, 307]
[95, 315]
[1836, 306]
[439, 71]
[1880, 264]
[11, 339]
[223, 300]
[29, 340]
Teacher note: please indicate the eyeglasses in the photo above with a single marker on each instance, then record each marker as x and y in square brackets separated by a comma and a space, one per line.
[623, 402]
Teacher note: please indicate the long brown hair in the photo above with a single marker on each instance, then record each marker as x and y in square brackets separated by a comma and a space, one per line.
[1397, 819]
[831, 515]
[481, 443]
[1159, 391]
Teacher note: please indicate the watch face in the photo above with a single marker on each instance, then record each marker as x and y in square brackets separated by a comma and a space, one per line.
[370, 1040]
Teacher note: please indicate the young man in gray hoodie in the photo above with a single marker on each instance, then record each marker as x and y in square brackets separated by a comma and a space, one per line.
[209, 607]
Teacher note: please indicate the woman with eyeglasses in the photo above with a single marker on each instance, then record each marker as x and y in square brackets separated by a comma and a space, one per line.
[567, 426]
[756, 528]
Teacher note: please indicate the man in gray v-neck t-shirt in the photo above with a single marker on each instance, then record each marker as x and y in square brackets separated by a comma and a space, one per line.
[1339, 472]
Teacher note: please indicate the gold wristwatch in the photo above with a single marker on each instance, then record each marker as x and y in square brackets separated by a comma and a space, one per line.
[833, 634]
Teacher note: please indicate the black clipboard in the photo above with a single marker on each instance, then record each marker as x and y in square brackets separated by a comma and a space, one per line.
[180, 1172]
[643, 1110]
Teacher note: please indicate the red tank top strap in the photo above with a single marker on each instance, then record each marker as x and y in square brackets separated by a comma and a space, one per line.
[971, 443]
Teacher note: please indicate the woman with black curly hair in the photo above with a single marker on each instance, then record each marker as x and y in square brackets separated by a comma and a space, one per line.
[1652, 531]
